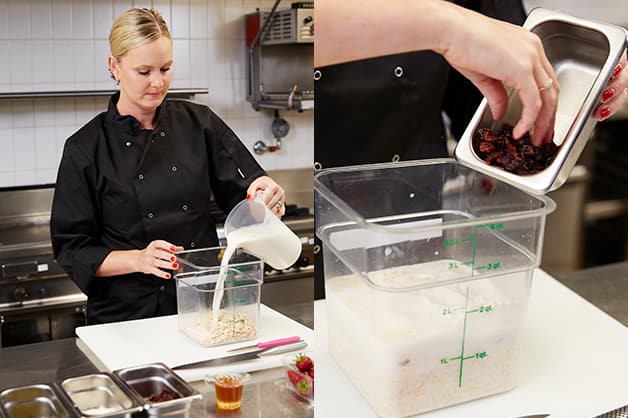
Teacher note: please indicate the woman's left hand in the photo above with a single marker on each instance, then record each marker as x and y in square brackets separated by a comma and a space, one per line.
[270, 192]
[615, 94]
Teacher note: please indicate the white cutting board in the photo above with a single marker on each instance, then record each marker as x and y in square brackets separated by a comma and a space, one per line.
[573, 364]
[131, 343]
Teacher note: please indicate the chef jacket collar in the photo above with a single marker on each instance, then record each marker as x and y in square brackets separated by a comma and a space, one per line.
[126, 123]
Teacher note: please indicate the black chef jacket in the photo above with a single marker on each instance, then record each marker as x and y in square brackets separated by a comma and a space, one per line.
[120, 187]
[390, 108]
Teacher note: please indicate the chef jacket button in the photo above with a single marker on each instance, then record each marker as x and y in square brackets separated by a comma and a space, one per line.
[141, 177]
[184, 207]
[398, 71]
[317, 75]
[162, 288]
[396, 158]
[150, 215]
[174, 168]
[128, 143]
[162, 133]
[192, 244]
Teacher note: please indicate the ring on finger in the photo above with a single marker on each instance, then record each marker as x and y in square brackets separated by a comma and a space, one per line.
[278, 205]
[547, 85]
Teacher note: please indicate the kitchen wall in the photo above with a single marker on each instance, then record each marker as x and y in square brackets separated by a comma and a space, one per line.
[62, 45]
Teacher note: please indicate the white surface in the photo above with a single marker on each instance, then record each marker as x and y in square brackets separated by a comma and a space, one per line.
[573, 364]
[131, 343]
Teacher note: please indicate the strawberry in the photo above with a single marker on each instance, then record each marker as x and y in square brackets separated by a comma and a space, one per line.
[295, 377]
[304, 363]
[305, 387]
[311, 372]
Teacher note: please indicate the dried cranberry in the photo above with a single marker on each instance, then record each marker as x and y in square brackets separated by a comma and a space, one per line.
[516, 156]
[164, 395]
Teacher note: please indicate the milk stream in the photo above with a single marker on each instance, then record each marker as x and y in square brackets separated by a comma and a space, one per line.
[269, 242]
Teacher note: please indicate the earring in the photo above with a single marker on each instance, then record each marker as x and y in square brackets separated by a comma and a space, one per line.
[113, 77]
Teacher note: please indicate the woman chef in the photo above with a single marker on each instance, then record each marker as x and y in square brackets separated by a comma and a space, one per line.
[135, 183]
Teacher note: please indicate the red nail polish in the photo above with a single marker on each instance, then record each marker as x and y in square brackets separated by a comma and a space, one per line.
[172, 258]
[248, 197]
[167, 275]
[607, 94]
[175, 265]
[617, 70]
[172, 248]
[605, 112]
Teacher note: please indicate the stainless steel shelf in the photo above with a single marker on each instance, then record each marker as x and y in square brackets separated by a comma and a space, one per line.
[187, 92]
[299, 105]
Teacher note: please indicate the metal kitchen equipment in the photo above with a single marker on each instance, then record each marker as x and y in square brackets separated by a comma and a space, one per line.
[281, 57]
[38, 301]
[31, 401]
[583, 54]
[238, 313]
[428, 265]
[152, 381]
[100, 394]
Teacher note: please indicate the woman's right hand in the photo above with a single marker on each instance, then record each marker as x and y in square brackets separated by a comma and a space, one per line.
[157, 257]
[489, 52]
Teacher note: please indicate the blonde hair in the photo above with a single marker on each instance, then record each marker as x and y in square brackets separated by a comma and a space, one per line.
[134, 28]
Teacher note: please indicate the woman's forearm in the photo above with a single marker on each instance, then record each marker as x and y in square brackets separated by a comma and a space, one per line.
[156, 259]
[350, 30]
[119, 262]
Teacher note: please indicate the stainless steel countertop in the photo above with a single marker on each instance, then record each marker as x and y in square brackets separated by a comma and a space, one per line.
[265, 395]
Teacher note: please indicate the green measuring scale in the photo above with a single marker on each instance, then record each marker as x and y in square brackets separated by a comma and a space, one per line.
[466, 310]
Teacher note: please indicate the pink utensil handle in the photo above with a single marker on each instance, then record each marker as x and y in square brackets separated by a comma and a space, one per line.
[280, 341]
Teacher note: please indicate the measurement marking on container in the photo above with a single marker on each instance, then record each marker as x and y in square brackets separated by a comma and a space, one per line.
[447, 311]
[462, 358]
[452, 242]
[489, 266]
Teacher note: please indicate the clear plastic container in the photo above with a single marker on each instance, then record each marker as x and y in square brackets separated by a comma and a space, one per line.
[252, 226]
[428, 267]
[238, 311]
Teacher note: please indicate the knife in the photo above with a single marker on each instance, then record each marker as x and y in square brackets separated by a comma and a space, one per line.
[267, 344]
[252, 354]
[535, 416]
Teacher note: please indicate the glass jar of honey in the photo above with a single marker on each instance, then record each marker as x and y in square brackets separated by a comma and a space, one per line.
[228, 389]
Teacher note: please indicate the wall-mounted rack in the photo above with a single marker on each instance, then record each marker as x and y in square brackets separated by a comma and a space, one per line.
[177, 93]
[280, 62]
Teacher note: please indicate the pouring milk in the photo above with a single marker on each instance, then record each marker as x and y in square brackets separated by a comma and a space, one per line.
[252, 227]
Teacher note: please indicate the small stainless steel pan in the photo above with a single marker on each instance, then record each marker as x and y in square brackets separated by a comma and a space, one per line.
[583, 54]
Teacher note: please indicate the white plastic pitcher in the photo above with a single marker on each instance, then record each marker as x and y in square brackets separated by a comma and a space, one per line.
[253, 227]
